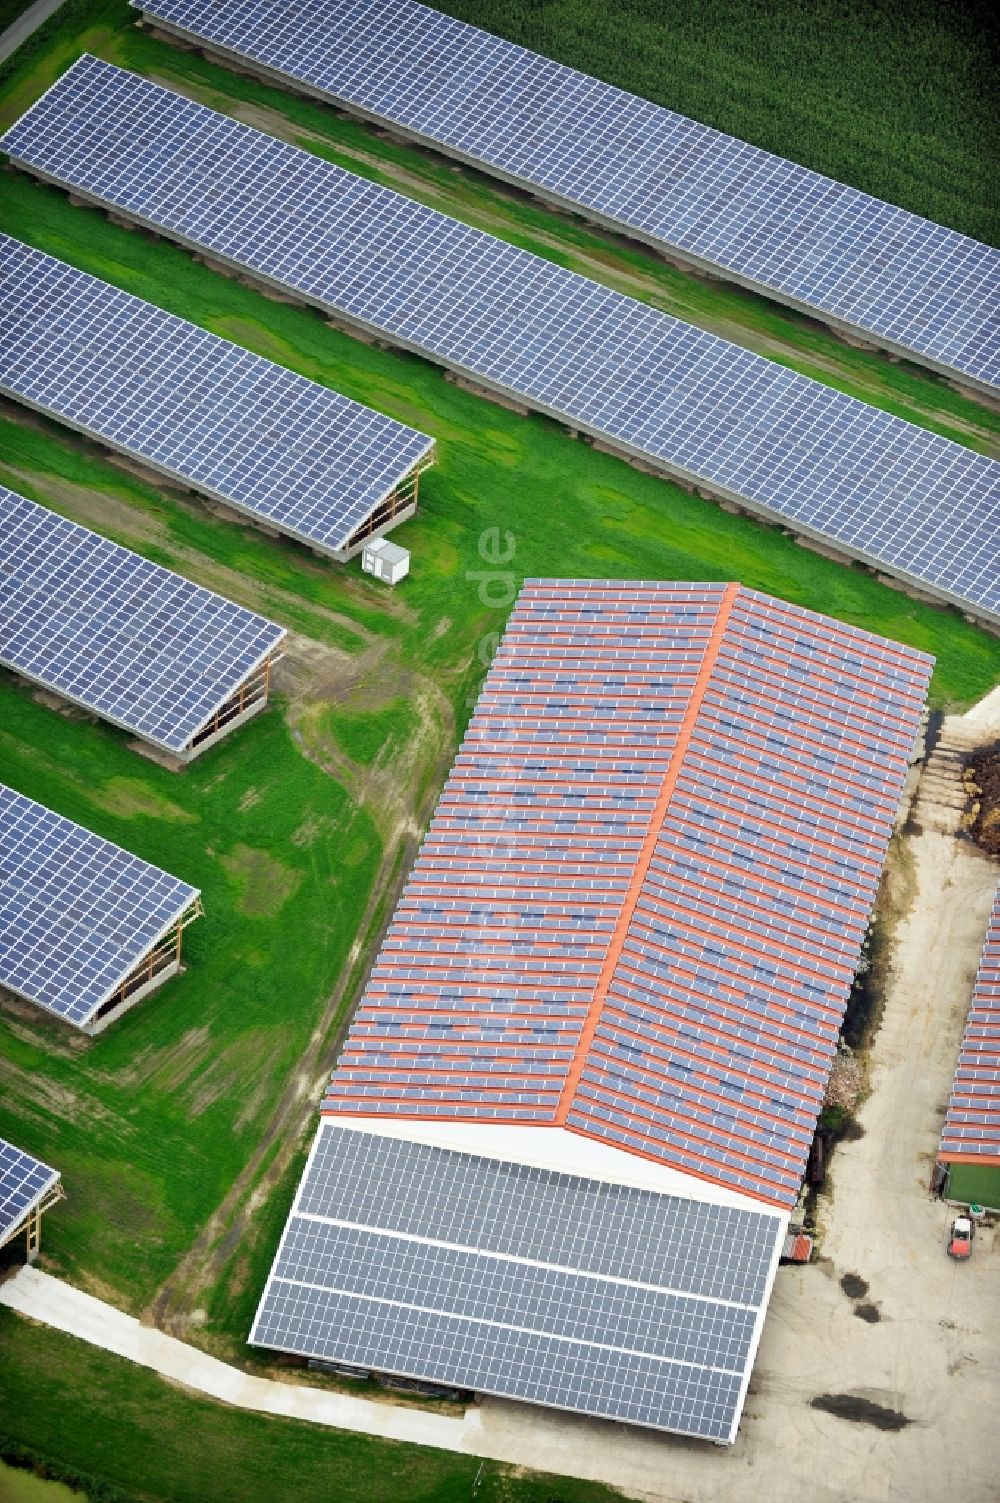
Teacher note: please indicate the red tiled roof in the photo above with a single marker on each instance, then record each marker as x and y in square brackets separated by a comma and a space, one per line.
[971, 1133]
[639, 907]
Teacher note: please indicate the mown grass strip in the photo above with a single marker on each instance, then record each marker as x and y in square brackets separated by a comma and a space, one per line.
[110, 1420]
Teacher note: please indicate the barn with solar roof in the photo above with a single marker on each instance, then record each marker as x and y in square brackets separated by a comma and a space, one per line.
[560, 1151]
[969, 1153]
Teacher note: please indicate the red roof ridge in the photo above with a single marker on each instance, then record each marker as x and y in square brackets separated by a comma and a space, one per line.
[656, 818]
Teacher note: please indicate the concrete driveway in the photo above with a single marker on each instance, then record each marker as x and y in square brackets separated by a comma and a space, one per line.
[911, 1358]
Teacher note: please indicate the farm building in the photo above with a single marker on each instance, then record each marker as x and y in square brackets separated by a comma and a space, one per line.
[86, 929]
[559, 1154]
[28, 1188]
[174, 664]
[970, 1138]
[288, 454]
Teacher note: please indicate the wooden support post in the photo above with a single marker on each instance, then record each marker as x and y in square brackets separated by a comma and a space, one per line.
[177, 951]
[34, 1235]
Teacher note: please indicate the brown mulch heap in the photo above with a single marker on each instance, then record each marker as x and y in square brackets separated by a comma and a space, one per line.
[982, 783]
[844, 1086]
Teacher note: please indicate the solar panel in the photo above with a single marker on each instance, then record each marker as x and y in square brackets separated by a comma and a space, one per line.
[125, 638]
[911, 285]
[820, 462]
[477, 1292]
[77, 914]
[278, 448]
[971, 1131]
[640, 904]
[24, 1181]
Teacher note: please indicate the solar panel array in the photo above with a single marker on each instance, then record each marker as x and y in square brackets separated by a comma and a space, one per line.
[283, 450]
[971, 1131]
[24, 1180]
[127, 639]
[819, 461]
[640, 904]
[77, 914]
[522, 1282]
[733, 207]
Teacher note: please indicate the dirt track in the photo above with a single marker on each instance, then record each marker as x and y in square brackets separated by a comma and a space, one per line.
[883, 1391]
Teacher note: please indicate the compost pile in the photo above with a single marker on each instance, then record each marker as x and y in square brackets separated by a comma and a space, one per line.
[982, 783]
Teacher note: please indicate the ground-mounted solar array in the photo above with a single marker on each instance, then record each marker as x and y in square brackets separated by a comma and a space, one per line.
[282, 450]
[822, 463]
[915, 286]
[971, 1132]
[519, 1281]
[640, 904]
[24, 1181]
[129, 640]
[77, 914]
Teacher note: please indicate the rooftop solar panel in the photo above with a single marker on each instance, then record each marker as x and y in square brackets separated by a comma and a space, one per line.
[640, 904]
[971, 1132]
[77, 914]
[283, 450]
[875, 487]
[911, 285]
[24, 1181]
[125, 638]
[459, 1269]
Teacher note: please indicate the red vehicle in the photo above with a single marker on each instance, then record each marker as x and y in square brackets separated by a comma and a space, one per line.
[960, 1237]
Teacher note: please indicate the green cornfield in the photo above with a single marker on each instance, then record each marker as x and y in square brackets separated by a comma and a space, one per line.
[897, 97]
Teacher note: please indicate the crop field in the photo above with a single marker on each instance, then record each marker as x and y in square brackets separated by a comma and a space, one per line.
[180, 1131]
[893, 96]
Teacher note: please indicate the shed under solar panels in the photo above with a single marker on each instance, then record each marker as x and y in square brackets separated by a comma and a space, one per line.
[291, 455]
[173, 663]
[28, 1188]
[86, 929]
[558, 1289]
[828, 467]
[863, 266]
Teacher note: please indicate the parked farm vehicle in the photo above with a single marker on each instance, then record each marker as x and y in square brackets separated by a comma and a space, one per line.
[960, 1237]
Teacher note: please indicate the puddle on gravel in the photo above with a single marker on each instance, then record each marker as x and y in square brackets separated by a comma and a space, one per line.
[854, 1286]
[870, 1313]
[849, 1406]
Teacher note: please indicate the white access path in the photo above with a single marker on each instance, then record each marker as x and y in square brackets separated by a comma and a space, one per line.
[38, 1295]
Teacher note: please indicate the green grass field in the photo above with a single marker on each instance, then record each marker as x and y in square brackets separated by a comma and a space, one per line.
[180, 1131]
[893, 96]
[105, 1418]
